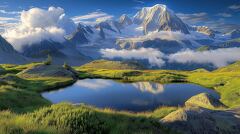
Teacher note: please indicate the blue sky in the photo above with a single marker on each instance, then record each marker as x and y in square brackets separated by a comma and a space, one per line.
[224, 14]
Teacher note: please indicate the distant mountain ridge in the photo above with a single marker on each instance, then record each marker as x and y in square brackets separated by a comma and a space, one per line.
[8, 54]
[155, 27]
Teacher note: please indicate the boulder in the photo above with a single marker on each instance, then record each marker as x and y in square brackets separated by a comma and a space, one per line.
[196, 120]
[204, 100]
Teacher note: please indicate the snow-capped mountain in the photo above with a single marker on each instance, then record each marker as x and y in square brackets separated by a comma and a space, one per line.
[235, 33]
[124, 20]
[159, 18]
[204, 30]
[80, 35]
[156, 27]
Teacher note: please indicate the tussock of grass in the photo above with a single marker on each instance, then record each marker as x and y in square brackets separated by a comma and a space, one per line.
[65, 118]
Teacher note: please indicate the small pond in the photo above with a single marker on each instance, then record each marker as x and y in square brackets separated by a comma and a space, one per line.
[136, 97]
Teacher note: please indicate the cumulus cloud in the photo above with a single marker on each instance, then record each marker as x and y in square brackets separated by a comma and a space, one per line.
[218, 57]
[92, 18]
[38, 24]
[153, 56]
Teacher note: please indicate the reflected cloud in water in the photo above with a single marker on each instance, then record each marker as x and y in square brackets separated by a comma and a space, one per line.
[95, 84]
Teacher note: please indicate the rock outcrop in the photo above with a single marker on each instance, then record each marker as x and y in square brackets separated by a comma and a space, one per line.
[203, 121]
[124, 20]
[48, 71]
[204, 100]
[204, 30]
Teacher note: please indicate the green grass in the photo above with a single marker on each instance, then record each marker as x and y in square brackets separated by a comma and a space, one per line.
[23, 110]
[68, 119]
[23, 94]
[114, 65]
[224, 80]
[162, 76]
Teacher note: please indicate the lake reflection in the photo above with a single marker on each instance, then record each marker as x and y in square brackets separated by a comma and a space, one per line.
[139, 96]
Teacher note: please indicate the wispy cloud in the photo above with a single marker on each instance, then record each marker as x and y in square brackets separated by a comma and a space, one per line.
[203, 18]
[194, 18]
[226, 15]
[139, 1]
[222, 25]
[7, 22]
[9, 12]
[235, 7]
[92, 18]
[7, 18]
[3, 6]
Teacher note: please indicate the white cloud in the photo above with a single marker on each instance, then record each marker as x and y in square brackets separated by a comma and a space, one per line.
[7, 22]
[7, 19]
[9, 12]
[38, 24]
[224, 14]
[92, 18]
[139, 1]
[222, 25]
[94, 84]
[218, 57]
[193, 18]
[153, 56]
[235, 7]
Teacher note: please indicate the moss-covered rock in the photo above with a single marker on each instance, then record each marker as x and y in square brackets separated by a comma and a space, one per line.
[204, 100]
[47, 71]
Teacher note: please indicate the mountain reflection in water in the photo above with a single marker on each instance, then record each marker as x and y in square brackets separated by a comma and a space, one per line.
[138, 96]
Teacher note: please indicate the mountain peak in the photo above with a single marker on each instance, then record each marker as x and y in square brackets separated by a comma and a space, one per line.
[164, 7]
[159, 18]
[125, 20]
[5, 46]
[235, 33]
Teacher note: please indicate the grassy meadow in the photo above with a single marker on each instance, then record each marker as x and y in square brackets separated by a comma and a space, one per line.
[23, 110]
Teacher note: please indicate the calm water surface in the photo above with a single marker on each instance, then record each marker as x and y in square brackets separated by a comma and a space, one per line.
[139, 96]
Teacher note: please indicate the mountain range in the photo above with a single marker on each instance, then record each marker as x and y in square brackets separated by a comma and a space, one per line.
[155, 27]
